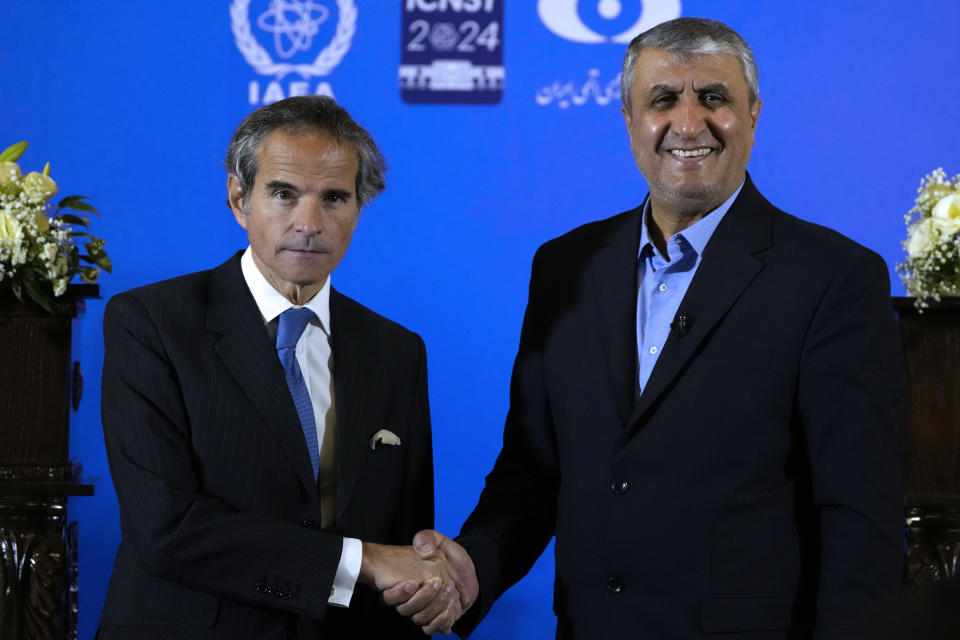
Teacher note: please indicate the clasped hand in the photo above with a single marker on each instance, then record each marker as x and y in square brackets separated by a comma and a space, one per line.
[433, 582]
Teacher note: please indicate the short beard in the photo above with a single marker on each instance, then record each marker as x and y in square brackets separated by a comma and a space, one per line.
[688, 203]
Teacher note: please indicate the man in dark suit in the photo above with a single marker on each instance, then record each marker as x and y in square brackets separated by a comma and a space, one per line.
[704, 407]
[268, 437]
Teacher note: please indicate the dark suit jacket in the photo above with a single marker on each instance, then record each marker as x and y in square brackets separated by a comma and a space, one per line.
[218, 506]
[753, 489]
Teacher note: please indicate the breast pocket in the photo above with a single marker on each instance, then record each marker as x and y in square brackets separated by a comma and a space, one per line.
[731, 360]
[385, 458]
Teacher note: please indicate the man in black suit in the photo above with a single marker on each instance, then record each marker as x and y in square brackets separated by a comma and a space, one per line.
[268, 437]
[704, 407]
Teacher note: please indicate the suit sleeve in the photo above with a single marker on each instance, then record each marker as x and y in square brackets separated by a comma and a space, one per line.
[515, 516]
[850, 387]
[177, 532]
[417, 491]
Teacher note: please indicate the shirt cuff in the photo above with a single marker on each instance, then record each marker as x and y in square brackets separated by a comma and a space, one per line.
[351, 557]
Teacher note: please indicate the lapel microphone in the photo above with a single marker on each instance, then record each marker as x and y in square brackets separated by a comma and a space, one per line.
[681, 325]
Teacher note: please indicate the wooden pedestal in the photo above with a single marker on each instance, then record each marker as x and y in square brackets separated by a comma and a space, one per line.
[931, 439]
[40, 385]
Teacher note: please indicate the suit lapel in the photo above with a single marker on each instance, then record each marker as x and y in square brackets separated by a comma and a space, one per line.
[615, 284]
[354, 387]
[726, 269]
[245, 349]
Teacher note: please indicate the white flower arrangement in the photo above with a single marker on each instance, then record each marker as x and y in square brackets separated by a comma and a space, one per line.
[39, 243]
[932, 268]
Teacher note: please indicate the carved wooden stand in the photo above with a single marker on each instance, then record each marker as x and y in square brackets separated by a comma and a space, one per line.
[931, 438]
[40, 382]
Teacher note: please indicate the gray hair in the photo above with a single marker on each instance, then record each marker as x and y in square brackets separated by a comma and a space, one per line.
[305, 113]
[690, 37]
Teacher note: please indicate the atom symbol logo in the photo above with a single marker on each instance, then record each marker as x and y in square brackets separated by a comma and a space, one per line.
[307, 18]
[293, 24]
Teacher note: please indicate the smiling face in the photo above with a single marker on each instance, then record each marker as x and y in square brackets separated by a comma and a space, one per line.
[302, 209]
[691, 129]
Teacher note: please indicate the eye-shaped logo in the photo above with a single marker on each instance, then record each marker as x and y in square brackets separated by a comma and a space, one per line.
[563, 18]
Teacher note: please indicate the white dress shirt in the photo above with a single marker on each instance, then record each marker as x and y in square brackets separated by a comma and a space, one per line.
[316, 363]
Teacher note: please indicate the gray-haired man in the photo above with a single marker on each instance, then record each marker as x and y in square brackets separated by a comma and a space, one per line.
[268, 437]
[704, 407]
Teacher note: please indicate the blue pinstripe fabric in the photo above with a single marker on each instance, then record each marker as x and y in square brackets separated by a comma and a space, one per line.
[292, 324]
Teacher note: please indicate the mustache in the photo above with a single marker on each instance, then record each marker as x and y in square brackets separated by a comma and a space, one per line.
[677, 142]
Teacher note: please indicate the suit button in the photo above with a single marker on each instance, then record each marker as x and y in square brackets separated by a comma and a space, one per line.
[620, 487]
[614, 585]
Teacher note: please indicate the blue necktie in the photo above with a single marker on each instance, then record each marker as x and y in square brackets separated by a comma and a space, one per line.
[292, 324]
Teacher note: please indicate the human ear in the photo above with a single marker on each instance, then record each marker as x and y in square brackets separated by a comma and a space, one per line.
[235, 199]
[755, 112]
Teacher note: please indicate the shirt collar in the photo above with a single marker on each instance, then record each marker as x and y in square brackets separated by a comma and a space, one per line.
[696, 235]
[272, 303]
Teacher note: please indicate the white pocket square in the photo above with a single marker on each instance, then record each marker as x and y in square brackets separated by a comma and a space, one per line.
[384, 436]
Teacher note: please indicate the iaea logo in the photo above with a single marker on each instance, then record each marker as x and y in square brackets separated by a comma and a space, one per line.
[294, 29]
[563, 17]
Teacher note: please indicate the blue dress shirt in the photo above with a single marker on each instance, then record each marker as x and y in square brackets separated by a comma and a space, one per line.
[663, 281]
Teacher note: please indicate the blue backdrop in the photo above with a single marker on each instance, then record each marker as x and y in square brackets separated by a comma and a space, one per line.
[134, 103]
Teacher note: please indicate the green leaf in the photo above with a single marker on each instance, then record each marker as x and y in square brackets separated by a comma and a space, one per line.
[14, 151]
[98, 258]
[71, 219]
[15, 285]
[77, 204]
[38, 294]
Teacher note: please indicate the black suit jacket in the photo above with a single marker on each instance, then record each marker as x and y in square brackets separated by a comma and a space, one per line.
[753, 489]
[218, 507]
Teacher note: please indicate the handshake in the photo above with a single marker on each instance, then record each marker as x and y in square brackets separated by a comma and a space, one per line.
[433, 582]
